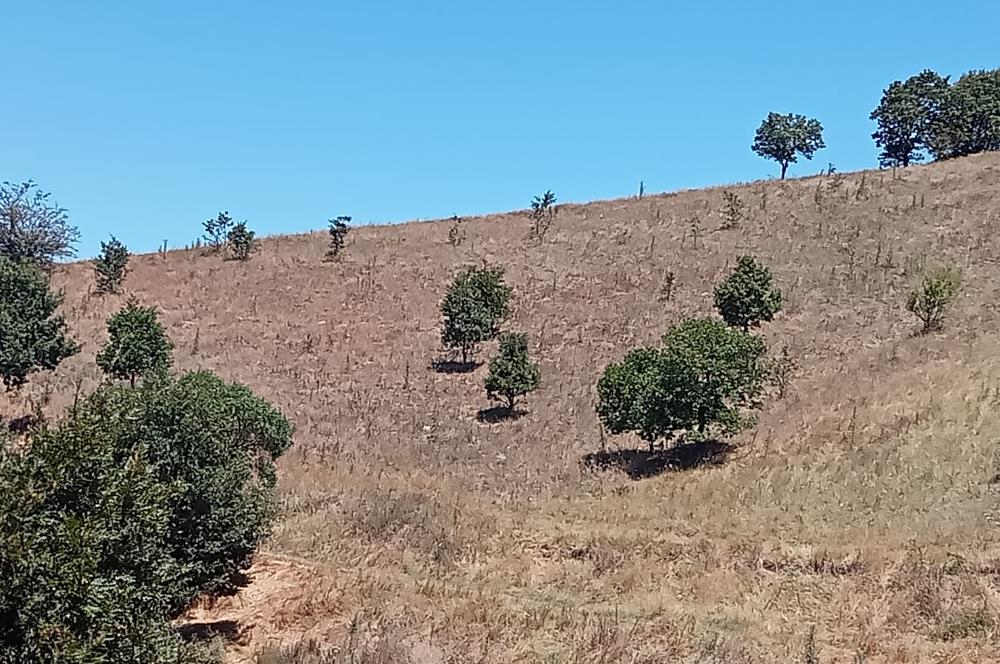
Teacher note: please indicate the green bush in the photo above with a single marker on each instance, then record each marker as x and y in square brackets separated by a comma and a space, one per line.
[701, 381]
[474, 307]
[242, 242]
[930, 301]
[138, 344]
[32, 336]
[512, 373]
[337, 230]
[111, 266]
[746, 297]
[217, 231]
[116, 519]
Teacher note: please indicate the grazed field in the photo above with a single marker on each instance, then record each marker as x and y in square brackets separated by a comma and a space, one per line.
[861, 505]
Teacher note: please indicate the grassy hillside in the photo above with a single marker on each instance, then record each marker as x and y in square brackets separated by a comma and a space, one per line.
[861, 503]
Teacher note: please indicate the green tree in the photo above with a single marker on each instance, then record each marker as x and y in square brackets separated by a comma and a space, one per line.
[32, 228]
[970, 118]
[338, 236]
[217, 231]
[140, 501]
[908, 117]
[84, 568]
[242, 242]
[138, 345]
[111, 266]
[746, 297]
[702, 380]
[32, 336]
[784, 137]
[474, 307]
[512, 373]
[930, 301]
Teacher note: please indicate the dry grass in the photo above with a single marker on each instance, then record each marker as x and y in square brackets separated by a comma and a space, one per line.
[861, 504]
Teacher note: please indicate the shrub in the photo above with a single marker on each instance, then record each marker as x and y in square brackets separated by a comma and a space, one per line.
[242, 242]
[33, 229]
[543, 213]
[733, 210]
[784, 137]
[930, 301]
[746, 297]
[111, 266]
[512, 373]
[32, 336]
[217, 231]
[475, 305]
[138, 345]
[338, 236]
[701, 380]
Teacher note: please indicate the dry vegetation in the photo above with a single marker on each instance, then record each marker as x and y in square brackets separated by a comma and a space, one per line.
[861, 504]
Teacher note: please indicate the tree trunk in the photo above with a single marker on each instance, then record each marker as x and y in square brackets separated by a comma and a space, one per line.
[465, 352]
[511, 398]
[784, 167]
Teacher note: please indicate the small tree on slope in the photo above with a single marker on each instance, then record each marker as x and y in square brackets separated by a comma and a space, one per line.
[746, 297]
[512, 373]
[138, 345]
[111, 266]
[474, 307]
[784, 137]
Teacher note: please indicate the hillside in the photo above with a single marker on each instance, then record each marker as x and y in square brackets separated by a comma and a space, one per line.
[861, 503]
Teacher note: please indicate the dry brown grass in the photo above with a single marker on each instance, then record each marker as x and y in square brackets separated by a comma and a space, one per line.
[861, 504]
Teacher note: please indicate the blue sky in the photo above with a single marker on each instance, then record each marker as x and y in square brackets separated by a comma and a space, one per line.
[145, 118]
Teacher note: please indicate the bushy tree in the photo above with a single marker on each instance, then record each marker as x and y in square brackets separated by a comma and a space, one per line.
[242, 242]
[338, 236]
[543, 213]
[784, 137]
[114, 520]
[217, 231]
[512, 373]
[84, 569]
[747, 297]
[970, 118]
[703, 379]
[930, 301]
[908, 116]
[32, 228]
[474, 307]
[138, 345]
[32, 336]
[111, 266]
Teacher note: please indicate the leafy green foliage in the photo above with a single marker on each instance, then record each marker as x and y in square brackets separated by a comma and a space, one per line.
[784, 137]
[217, 231]
[970, 118]
[338, 236]
[702, 379]
[32, 336]
[84, 570]
[138, 344]
[512, 373]
[32, 228]
[474, 307]
[746, 297]
[242, 242]
[930, 301]
[111, 266]
[114, 520]
[908, 116]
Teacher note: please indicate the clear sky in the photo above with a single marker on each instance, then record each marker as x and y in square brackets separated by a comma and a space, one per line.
[145, 118]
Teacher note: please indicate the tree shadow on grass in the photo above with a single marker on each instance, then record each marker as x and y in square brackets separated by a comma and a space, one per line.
[21, 425]
[446, 366]
[203, 631]
[498, 414]
[639, 464]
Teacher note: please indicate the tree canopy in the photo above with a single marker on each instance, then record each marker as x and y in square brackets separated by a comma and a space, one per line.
[32, 227]
[703, 379]
[474, 307]
[784, 137]
[137, 346]
[747, 298]
[512, 373]
[908, 117]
